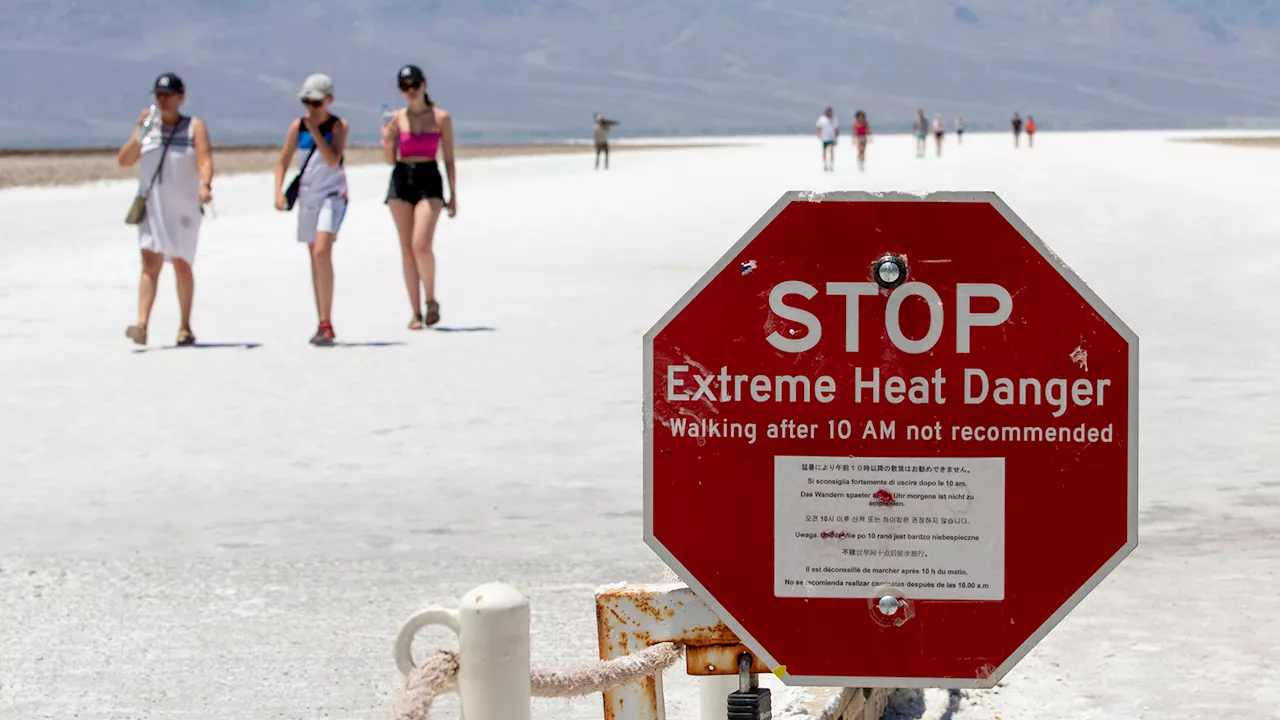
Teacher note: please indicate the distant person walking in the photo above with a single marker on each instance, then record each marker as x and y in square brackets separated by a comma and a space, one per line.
[959, 129]
[175, 180]
[410, 142]
[321, 189]
[1031, 131]
[939, 132]
[861, 134]
[602, 128]
[828, 130]
[921, 129]
[1016, 122]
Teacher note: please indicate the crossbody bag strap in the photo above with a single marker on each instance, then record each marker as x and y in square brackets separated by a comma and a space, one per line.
[302, 128]
[326, 126]
[307, 162]
[164, 151]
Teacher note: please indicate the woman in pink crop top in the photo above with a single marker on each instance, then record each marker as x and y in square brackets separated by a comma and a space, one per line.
[411, 140]
[861, 133]
[419, 144]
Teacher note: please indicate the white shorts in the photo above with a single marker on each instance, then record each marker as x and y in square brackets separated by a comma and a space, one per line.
[320, 216]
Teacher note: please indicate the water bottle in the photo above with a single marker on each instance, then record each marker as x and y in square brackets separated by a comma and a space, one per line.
[387, 116]
[151, 118]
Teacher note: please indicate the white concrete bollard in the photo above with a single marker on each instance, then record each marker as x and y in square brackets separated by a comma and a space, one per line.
[492, 624]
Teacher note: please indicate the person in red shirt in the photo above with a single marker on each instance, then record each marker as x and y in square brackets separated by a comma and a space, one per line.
[1031, 131]
[861, 132]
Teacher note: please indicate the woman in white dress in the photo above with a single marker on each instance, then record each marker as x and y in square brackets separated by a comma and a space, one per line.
[175, 176]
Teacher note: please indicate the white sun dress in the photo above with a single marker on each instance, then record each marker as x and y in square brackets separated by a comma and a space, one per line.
[172, 223]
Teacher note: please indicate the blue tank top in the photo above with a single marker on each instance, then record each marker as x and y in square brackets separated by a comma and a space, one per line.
[318, 179]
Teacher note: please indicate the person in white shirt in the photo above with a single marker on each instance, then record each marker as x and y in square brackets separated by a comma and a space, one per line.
[827, 130]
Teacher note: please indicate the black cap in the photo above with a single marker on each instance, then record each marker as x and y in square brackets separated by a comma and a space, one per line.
[169, 84]
[411, 74]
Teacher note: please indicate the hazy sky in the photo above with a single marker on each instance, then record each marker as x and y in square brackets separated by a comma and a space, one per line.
[512, 69]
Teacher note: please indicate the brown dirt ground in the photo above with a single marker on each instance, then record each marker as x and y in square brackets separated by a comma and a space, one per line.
[73, 167]
[1266, 142]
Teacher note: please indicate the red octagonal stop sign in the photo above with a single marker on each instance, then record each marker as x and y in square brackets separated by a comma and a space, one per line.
[891, 439]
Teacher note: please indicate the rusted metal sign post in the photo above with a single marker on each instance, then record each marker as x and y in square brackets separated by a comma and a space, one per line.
[632, 617]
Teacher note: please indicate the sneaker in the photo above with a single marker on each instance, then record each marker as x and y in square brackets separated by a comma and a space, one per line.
[324, 335]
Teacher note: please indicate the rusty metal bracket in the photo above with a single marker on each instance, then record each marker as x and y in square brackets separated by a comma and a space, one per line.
[633, 617]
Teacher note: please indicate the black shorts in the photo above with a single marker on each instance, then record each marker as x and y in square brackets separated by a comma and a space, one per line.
[415, 182]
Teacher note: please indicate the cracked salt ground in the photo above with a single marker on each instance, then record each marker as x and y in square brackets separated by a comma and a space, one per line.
[227, 533]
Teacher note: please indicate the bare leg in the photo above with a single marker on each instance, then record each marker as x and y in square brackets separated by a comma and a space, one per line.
[402, 213]
[152, 263]
[424, 229]
[186, 282]
[322, 274]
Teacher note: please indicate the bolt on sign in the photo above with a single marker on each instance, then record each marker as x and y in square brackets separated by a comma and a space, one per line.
[891, 439]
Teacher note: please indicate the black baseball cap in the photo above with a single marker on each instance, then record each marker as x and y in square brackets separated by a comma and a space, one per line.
[411, 75]
[169, 84]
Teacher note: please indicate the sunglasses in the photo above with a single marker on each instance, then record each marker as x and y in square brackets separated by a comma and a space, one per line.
[312, 103]
[406, 87]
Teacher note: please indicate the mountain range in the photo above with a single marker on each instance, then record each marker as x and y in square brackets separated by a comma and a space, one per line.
[77, 72]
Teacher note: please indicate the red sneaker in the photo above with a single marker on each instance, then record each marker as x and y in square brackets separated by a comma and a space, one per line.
[324, 335]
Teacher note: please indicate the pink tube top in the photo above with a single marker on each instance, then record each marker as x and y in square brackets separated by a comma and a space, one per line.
[419, 145]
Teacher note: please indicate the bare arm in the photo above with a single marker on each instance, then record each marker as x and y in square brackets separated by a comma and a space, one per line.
[204, 153]
[446, 144]
[132, 148]
[286, 155]
[391, 139]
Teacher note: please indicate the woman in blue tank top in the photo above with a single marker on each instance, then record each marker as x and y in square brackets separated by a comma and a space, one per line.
[320, 137]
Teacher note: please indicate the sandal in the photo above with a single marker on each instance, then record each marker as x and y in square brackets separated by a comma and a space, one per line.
[137, 333]
[433, 313]
[185, 337]
[416, 322]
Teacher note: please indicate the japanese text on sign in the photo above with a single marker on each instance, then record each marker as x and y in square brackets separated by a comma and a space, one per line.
[845, 526]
